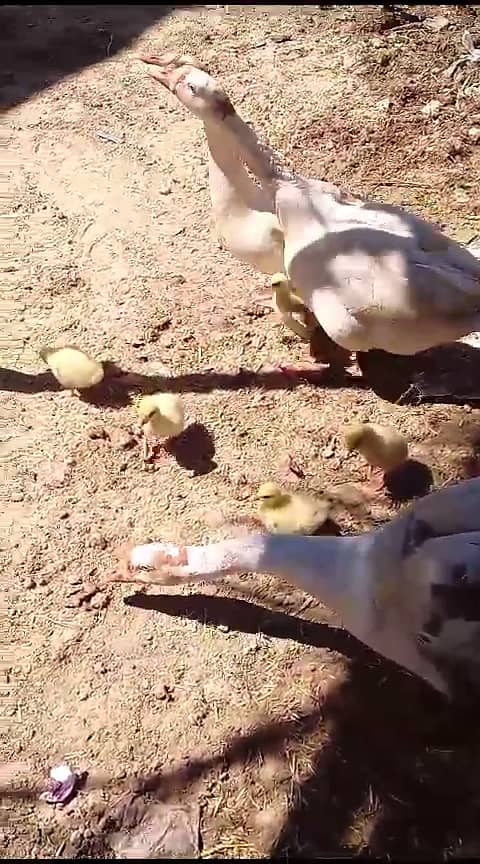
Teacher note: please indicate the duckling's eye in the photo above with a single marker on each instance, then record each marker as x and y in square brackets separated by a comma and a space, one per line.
[192, 88]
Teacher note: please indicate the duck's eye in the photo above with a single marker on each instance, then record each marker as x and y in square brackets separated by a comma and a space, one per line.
[191, 87]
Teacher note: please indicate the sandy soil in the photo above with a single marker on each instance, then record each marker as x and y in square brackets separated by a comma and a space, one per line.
[240, 701]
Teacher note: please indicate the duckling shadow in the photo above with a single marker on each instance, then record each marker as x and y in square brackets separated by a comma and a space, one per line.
[330, 528]
[447, 374]
[111, 392]
[13, 381]
[194, 449]
[412, 479]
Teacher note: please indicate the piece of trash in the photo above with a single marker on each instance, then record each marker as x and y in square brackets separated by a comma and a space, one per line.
[383, 104]
[107, 136]
[330, 448]
[61, 785]
[437, 23]
[431, 109]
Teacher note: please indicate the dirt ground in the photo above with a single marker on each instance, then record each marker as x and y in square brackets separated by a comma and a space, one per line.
[280, 731]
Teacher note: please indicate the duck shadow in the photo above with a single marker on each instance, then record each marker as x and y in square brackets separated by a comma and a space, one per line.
[113, 391]
[397, 772]
[245, 617]
[447, 374]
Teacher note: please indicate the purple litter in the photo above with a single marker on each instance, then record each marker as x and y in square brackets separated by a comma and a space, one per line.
[61, 785]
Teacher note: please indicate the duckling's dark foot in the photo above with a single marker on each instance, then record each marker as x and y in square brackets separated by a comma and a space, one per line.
[155, 451]
[161, 452]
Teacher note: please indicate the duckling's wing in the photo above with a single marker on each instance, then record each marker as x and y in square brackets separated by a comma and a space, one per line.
[442, 583]
[74, 368]
[311, 513]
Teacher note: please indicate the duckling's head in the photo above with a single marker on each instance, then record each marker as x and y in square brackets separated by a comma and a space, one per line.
[279, 280]
[271, 495]
[44, 353]
[147, 409]
[355, 435]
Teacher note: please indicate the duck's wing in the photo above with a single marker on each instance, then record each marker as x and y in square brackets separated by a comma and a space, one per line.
[435, 603]
[442, 587]
[454, 509]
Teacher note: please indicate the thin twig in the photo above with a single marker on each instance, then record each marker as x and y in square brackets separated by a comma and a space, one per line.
[407, 183]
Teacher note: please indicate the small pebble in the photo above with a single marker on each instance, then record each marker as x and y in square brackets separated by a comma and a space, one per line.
[99, 601]
[83, 693]
[74, 579]
[97, 433]
[98, 541]
[76, 837]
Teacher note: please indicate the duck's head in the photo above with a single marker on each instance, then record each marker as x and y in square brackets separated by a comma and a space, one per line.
[192, 85]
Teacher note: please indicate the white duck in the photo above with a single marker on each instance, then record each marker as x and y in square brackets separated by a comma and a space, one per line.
[410, 591]
[374, 275]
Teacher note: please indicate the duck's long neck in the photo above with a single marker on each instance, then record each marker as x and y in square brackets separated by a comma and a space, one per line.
[231, 187]
[260, 158]
[330, 568]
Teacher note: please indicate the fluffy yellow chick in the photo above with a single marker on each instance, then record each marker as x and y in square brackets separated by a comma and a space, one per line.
[287, 304]
[72, 367]
[161, 417]
[284, 512]
[383, 447]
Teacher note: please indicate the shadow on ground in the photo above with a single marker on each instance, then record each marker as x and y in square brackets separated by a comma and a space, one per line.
[40, 45]
[448, 374]
[399, 771]
[394, 768]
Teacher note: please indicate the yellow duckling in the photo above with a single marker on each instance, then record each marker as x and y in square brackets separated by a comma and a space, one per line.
[284, 512]
[73, 368]
[286, 303]
[383, 447]
[161, 417]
